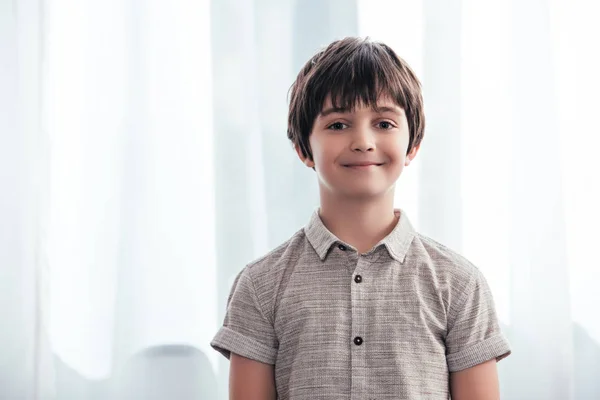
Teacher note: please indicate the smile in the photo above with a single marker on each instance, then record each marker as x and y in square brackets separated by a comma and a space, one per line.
[362, 166]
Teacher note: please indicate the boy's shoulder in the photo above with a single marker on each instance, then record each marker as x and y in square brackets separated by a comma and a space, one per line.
[268, 275]
[280, 257]
[446, 263]
[440, 252]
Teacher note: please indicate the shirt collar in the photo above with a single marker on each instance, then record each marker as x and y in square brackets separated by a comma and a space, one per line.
[396, 243]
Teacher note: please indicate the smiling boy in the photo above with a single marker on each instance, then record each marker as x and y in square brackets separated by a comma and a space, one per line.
[357, 304]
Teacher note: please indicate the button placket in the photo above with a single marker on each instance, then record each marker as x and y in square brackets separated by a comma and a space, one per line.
[359, 335]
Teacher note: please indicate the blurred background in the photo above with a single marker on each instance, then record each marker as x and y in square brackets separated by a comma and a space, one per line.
[144, 162]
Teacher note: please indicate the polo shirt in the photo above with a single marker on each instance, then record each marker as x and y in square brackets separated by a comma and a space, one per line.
[391, 323]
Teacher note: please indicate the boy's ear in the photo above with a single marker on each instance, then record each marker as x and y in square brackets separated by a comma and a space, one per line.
[411, 155]
[305, 160]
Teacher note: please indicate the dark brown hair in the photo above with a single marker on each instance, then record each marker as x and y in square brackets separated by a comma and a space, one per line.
[353, 70]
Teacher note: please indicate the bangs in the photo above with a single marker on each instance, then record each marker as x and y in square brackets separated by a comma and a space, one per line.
[363, 78]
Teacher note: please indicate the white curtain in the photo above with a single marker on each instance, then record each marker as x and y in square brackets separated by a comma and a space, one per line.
[144, 162]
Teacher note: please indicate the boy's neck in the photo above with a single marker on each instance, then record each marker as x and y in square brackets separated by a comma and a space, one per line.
[360, 223]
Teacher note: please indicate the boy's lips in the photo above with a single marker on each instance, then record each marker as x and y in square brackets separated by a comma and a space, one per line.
[362, 164]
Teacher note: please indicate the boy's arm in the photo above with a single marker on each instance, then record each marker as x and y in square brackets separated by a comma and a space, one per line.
[250, 380]
[476, 383]
[475, 343]
[248, 339]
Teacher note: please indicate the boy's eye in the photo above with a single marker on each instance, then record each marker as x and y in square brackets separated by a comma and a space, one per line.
[385, 125]
[336, 126]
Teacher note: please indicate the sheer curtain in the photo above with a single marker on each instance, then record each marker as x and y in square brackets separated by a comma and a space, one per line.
[144, 162]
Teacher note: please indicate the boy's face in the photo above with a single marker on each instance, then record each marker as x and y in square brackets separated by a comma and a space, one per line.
[359, 154]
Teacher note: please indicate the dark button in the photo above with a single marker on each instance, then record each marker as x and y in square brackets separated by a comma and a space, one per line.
[358, 341]
[342, 247]
[358, 279]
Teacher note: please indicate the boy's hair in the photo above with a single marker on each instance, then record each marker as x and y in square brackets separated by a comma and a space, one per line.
[353, 70]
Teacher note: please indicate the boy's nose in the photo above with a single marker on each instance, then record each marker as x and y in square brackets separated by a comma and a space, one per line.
[363, 142]
[364, 148]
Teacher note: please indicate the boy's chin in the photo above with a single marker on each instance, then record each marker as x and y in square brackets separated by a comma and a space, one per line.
[366, 193]
[356, 190]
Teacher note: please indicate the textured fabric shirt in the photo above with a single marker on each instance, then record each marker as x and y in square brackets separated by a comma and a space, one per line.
[391, 323]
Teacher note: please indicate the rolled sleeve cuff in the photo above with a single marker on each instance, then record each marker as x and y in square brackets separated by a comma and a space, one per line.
[495, 347]
[228, 341]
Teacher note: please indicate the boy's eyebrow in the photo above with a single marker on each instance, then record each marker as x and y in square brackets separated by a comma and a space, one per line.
[341, 110]
[396, 110]
[332, 110]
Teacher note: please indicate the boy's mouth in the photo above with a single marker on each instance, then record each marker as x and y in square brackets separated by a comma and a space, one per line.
[362, 165]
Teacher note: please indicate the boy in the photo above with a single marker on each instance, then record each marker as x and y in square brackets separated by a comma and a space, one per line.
[357, 305]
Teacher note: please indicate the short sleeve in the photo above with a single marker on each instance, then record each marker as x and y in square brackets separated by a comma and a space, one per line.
[246, 330]
[474, 334]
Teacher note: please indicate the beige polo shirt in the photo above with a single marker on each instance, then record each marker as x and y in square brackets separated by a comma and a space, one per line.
[387, 324]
